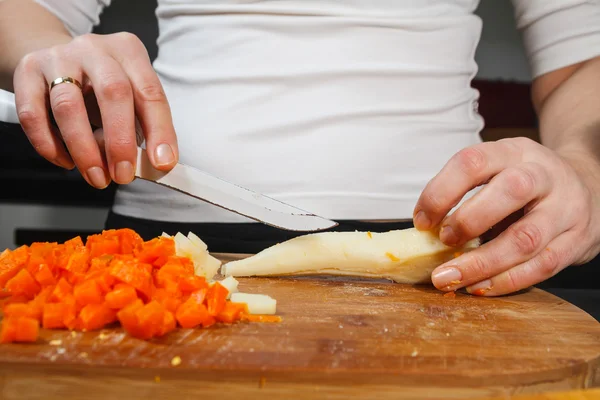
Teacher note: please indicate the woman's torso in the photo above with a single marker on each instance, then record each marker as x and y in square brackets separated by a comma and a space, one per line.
[345, 108]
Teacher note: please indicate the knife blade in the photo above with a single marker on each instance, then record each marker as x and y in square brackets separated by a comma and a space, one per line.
[210, 189]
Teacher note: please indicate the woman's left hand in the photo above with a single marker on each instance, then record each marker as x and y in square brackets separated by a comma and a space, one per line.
[549, 201]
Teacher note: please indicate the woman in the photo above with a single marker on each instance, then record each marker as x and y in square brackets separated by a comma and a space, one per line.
[359, 111]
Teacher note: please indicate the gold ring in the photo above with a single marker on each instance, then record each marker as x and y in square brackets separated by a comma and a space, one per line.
[65, 79]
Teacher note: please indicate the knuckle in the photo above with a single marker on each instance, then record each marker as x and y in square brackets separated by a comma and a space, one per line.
[433, 203]
[153, 93]
[121, 142]
[64, 104]
[512, 281]
[85, 41]
[463, 223]
[29, 118]
[116, 90]
[128, 37]
[526, 238]
[520, 183]
[549, 262]
[29, 62]
[477, 269]
[471, 161]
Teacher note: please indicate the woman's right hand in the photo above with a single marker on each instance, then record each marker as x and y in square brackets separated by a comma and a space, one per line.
[118, 84]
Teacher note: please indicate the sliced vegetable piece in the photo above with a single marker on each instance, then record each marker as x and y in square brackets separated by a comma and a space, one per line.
[23, 284]
[121, 296]
[257, 303]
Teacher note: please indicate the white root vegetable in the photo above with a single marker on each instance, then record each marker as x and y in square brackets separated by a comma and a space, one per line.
[257, 303]
[403, 256]
[231, 284]
[192, 247]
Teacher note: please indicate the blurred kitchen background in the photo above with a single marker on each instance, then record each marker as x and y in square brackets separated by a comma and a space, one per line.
[39, 202]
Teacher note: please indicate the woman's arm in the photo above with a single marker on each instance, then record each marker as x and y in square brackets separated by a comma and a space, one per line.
[25, 26]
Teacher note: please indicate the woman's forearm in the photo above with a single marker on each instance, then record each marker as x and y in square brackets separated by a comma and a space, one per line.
[25, 26]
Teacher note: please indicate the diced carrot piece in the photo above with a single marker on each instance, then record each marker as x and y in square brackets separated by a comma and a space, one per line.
[156, 251]
[62, 289]
[189, 284]
[169, 323]
[16, 310]
[8, 334]
[191, 314]
[151, 318]
[137, 275]
[216, 298]
[103, 278]
[121, 296]
[74, 278]
[28, 330]
[40, 253]
[54, 315]
[44, 275]
[173, 271]
[232, 312]
[78, 260]
[88, 292]
[23, 284]
[12, 262]
[129, 320]
[163, 297]
[100, 263]
[95, 316]
[131, 242]
[104, 246]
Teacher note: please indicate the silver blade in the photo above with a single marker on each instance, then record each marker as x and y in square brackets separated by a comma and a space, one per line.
[231, 197]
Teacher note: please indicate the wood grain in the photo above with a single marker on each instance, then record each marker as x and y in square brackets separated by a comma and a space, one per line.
[339, 338]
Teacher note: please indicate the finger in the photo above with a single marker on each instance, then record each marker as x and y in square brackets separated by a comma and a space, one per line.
[151, 105]
[552, 259]
[509, 191]
[466, 170]
[520, 242]
[68, 108]
[31, 90]
[115, 100]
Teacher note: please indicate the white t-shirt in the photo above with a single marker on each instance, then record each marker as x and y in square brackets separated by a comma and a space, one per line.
[345, 108]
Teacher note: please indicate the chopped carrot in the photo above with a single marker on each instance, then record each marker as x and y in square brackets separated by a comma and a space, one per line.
[88, 292]
[191, 314]
[113, 276]
[62, 289]
[54, 315]
[8, 333]
[231, 312]
[151, 317]
[192, 283]
[216, 298]
[121, 296]
[23, 284]
[43, 275]
[450, 294]
[95, 316]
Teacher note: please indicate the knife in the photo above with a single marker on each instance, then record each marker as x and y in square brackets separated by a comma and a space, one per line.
[209, 188]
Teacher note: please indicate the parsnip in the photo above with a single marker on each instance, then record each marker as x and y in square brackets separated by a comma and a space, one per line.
[257, 303]
[403, 256]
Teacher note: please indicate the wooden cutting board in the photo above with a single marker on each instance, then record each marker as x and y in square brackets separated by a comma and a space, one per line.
[340, 338]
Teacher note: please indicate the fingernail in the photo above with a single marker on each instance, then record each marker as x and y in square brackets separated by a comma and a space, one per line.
[448, 236]
[445, 277]
[421, 220]
[164, 155]
[97, 177]
[123, 172]
[480, 288]
[66, 164]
